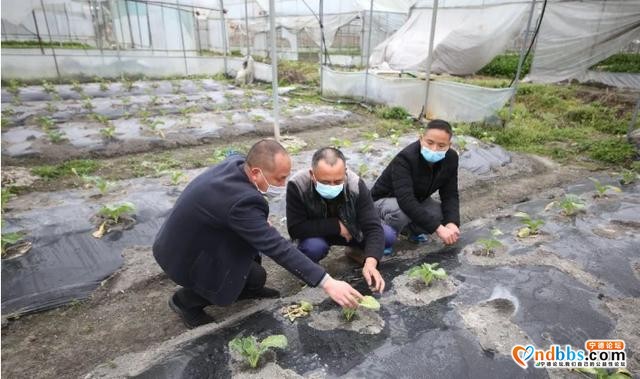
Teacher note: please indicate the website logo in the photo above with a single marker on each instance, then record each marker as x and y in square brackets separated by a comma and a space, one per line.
[596, 353]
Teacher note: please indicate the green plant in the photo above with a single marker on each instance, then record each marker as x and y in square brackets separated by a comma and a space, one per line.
[155, 100]
[571, 204]
[8, 239]
[49, 88]
[532, 227]
[505, 65]
[176, 177]
[81, 167]
[363, 170]
[257, 118]
[294, 311]
[462, 143]
[628, 177]
[366, 148]
[427, 272]
[104, 120]
[101, 184]
[114, 212]
[488, 246]
[55, 136]
[45, 122]
[51, 108]
[394, 138]
[108, 132]
[392, 113]
[5, 197]
[77, 87]
[86, 104]
[339, 143]
[601, 189]
[14, 87]
[251, 350]
[104, 85]
[603, 373]
[128, 84]
[368, 302]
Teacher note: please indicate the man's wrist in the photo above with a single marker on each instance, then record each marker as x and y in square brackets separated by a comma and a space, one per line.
[370, 261]
[325, 279]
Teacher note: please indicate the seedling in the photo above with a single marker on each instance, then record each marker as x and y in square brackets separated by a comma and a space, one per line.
[628, 177]
[177, 87]
[86, 104]
[14, 87]
[176, 177]
[128, 84]
[75, 86]
[427, 272]
[294, 311]
[55, 136]
[601, 189]
[366, 148]
[370, 136]
[257, 118]
[496, 232]
[462, 143]
[368, 302]
[9, 239]
[125, 101]
[602, 373]
[49, 88]
[101, 184]
[104, 85]
[114, 212]
[45, 122]
[104, 120]
[6, 196]
[51, 108]
[155, 100]
[488, 246]
[532, 227]
[363, 170]
[108, 132]
[251, 350]
[395, 138]
[571, 205]
[339, 143]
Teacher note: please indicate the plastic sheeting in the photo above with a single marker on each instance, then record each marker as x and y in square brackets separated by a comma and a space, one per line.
[575, 35]
[447, 100]
[466, 39]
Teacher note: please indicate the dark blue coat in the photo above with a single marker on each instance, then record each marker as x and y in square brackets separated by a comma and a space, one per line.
[216, 229]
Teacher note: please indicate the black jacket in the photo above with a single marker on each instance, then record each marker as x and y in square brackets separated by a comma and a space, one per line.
[308, 215]
[411, 179]
[216, 228]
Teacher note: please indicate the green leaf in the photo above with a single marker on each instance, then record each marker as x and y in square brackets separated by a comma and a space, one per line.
[524, 232]
[439, 273]
[277, 341]
[306, 306]
[370, 302]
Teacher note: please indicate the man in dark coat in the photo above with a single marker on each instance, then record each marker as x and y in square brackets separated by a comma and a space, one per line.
[402, 194]
[328, 205]
[211, 242]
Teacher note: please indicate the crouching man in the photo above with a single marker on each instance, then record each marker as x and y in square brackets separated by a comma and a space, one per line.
[402, 194]
[328, 205]
[211, 240]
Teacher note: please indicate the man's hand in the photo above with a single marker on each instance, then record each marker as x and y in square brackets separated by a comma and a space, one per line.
[342, 293]
[372, 275]
[448, 236]
[344, 232]
[453, 227]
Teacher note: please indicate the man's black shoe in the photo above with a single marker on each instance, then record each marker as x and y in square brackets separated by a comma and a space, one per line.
[192, 318]
[262, 293]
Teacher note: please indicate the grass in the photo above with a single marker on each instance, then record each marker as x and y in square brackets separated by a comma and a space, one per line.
[506, 65]
[298, 72]
[623, 62]
[554, 121]
[37, 44]
[81, 167]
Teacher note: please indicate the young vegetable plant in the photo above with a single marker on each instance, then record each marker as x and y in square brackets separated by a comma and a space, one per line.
[339, 143]
[101, 184]
[9, 239]
[51, 108]
[488, 246]
[427, 272]
[75, 86]
[108, 132]
[294, 311]
[462, 143]
[86, 104]
[532, 227]
[571, 205]
[55, 136]
[114, 212]
[628, 177]
[45, 122]
[49, 88]
[176, 177]
[368, 302]
[104, 85]
[251, 350]
[601, 189]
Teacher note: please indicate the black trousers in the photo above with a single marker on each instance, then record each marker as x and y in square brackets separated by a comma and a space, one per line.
[256, 279]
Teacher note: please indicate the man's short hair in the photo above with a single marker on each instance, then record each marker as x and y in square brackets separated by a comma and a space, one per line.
[330, 155]
[262, 154]
[440, 125]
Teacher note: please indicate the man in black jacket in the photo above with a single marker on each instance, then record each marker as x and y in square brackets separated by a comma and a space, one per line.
[328, 205]
[210, 242]
[402, 194]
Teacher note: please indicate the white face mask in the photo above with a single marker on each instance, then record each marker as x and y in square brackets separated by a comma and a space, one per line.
[272, 191]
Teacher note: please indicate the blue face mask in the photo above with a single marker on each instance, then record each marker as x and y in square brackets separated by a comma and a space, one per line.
[328, 191]
[432, 156]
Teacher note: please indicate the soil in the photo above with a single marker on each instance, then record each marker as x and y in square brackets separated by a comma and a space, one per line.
[115, 322]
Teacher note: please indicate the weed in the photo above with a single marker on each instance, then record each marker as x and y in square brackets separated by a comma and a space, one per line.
[392, 113]
[81, 167]
[5, 197]
[427, 272]
[251, 350]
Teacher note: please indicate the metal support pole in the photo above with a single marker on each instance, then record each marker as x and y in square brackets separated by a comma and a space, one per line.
[146, 6]
[427, 79]
[634, 118]
[274, 69]
[184, 49]
[35, 21]
[66, 15]
[53, 50]
[126, 8]
[521, 60]
[362, 50]
[321, 56]
[246, 26]
[115, 33]
[366, 72]
[225, 46]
